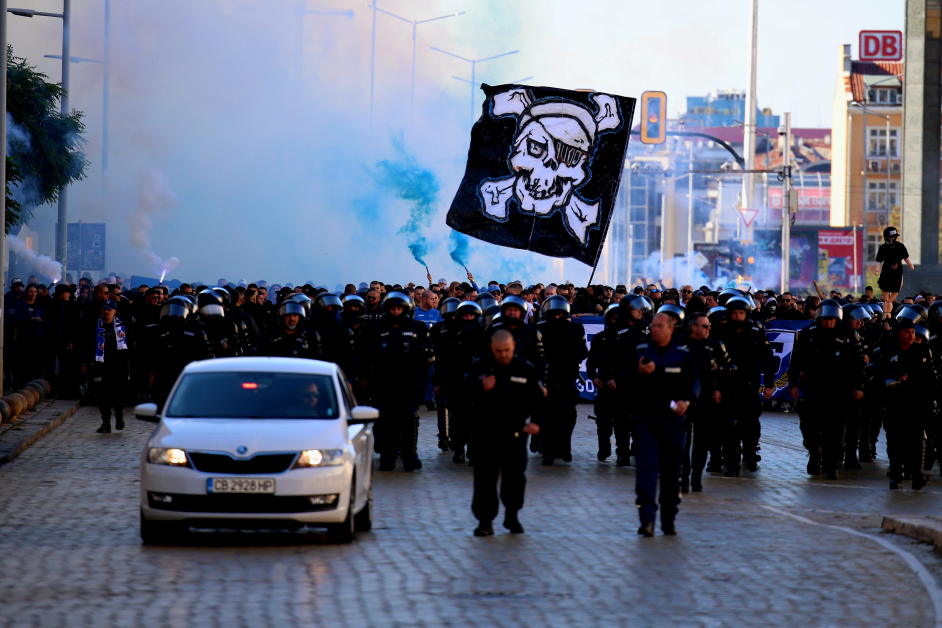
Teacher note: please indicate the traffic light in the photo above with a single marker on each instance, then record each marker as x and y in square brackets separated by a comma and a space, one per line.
[749, 268]
[653, 117]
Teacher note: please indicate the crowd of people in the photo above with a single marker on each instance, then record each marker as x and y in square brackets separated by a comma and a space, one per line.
[681, 375]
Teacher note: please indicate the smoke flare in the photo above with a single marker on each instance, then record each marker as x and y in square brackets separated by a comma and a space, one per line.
[43, 263]
[155, 195]
[407, 180]
[459, 250]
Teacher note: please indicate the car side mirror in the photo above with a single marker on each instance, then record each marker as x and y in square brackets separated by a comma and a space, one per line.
[362, 414]
[147, 412]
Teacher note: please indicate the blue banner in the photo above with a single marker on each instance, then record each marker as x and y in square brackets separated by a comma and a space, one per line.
[781, 336]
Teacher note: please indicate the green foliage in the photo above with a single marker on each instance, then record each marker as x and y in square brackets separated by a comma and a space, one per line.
[50, 157]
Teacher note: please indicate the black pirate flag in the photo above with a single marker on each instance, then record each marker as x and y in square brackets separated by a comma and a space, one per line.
[543, 170]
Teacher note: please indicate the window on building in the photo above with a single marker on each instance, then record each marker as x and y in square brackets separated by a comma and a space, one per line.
[877, 146]
[885, 96]
[876, 196]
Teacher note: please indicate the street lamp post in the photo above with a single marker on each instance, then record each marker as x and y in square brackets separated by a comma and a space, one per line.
[474, 63]
[415, 24]
[300, 11]
[3, 176]
[61, 228]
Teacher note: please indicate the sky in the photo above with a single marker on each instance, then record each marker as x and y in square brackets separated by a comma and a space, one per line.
[228, 158]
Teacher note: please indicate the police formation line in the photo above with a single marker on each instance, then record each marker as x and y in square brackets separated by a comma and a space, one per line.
[680, 387]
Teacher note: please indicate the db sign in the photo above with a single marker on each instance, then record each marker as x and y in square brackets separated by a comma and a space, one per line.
[881, 45]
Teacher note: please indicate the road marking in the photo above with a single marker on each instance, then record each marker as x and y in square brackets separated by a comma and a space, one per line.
[932, 587]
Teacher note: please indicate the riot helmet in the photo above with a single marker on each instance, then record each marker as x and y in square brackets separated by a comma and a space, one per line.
[611, 313]
[674, 311]
[638, 303]
[449, 308]
[291, 307]
[553, 305]
[739, 302]
[922, 332]
[468, 307]
[224, 295]
[914, 313]
[857, 312]
[210, 303]
[354, 308]
[513, 301]
[727, 294]
[935, 312]
[327, 302]
[485, 300]
[400, 299]
[829, 308]
[490, 313]
[717, 314]
[175, 306]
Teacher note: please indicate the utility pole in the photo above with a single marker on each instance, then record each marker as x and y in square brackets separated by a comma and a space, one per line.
[786, 201]
[106, 88]
[749, 142]
[690, 209]
[62, 244]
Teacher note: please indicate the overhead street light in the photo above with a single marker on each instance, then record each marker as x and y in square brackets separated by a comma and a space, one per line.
[474, 63]
[415, 24]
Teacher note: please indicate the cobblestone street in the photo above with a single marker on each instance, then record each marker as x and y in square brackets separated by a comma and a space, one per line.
[748, 553]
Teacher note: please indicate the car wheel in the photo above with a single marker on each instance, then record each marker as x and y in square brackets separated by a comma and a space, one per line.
[161, 532]
[363, 521]
[345, 532]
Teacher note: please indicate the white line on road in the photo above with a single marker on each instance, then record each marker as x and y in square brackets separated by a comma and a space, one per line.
[932, 587]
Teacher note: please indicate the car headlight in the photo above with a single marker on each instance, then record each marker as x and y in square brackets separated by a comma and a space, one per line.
[172, 457]
[319, 458]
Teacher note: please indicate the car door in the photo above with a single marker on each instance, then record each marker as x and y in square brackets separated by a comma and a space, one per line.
[362, 438]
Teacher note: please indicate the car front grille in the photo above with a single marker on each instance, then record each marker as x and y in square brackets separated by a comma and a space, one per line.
[224, 463]
[236, 503]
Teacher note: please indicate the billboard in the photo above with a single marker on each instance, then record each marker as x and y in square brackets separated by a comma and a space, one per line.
[85, 246]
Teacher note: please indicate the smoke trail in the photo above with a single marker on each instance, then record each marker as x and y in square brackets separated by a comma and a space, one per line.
[154, 196]
[459, 251]
[675, 272]
[409, 181]
[43, 263]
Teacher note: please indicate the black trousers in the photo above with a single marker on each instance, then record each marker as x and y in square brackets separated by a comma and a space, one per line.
[111, 385]
[857, 430]
[608, 420]
[742, 427]
[821, 421]
[905, 441]
[504, 457]
[396, 431]
[559, 419]
[706, 431]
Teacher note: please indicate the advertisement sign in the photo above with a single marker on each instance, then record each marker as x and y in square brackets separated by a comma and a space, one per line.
[836, 252]
[814, 205]
[85, 246]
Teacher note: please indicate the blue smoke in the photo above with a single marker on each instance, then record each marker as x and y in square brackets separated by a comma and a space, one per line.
[404, 178]
[459, 251]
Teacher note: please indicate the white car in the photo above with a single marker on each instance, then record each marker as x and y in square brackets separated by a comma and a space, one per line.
[270, 443]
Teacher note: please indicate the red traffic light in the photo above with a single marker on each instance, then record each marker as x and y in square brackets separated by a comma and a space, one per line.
[653, 122]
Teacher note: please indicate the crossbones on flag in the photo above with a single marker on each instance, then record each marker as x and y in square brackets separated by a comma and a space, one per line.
[543, 170]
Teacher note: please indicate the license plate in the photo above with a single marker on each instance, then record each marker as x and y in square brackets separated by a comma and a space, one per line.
[240, 485]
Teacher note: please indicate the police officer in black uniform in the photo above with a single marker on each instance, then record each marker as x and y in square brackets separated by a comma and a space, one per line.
[337, 341]
[442, 336]
[857, 430]
[671, 383]
[705, 426]
[397, 355]
[460, 351]
[223, 333]
[748, 348]
[601, 364]
[828, 364]
[506, 391]
[564, 348]
[290, 338]
[242, 340]
[528, 341]
[177, 342]
[906, 368]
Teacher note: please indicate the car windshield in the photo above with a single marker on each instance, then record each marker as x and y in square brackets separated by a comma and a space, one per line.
[232, 395]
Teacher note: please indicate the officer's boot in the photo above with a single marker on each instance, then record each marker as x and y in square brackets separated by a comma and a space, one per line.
[512, 523]
[105, 423]
[118, 420]
[605, 448]
[814, 462]
[459, 455]
[484, 529]
[387, 462]
[696, 483]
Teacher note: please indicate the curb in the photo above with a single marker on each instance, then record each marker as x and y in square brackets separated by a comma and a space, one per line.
[927, 529]
[37, 429]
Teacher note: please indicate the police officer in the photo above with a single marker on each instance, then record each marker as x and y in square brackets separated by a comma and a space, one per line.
[826, 360]
[528, 341]
[337, 341]
[506, 391]
[748, 348]
[106, 358]
[176, 344]
[601, 366]
[564, 348]
[223, 333]
[241, 340]
[290, 338]
[704, 418]
[460, 348]
[857, 431]
[909, 379]
[671, 383]
[397, 356]
[442, 335]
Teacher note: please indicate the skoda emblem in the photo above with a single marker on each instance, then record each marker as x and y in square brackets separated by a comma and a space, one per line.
[241, 449]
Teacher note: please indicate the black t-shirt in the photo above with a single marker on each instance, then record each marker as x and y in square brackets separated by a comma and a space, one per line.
[892, 256]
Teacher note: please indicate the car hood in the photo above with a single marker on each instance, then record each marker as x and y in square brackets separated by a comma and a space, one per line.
[256, 435]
